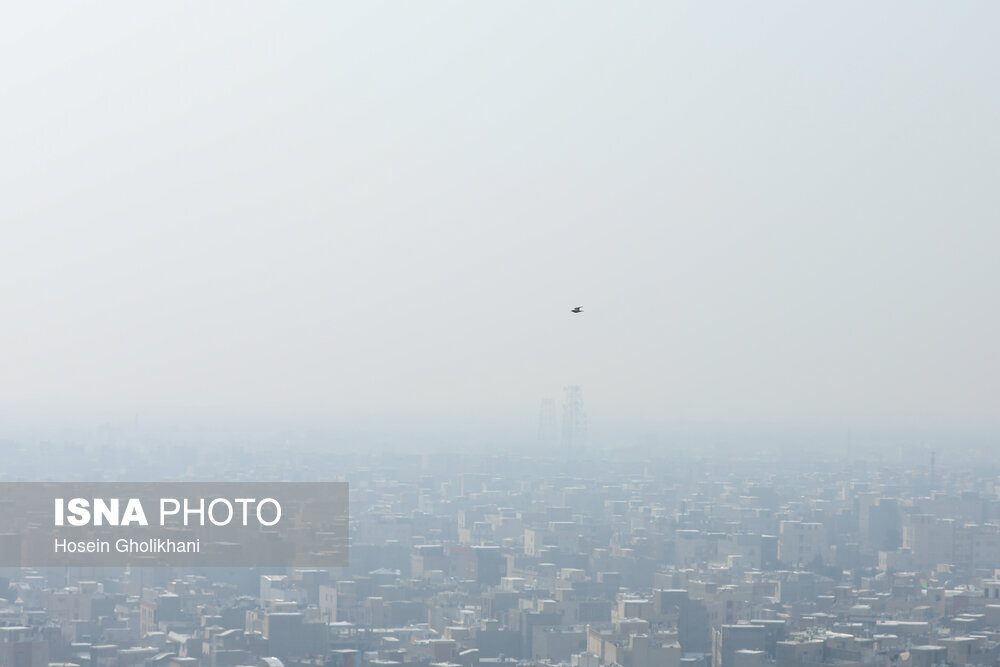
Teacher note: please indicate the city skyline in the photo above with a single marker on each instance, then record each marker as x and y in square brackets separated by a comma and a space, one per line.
[499, 334]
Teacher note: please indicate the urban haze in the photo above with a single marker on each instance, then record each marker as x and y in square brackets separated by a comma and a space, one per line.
[644, 334]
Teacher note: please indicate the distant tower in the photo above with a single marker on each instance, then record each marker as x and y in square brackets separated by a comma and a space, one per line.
[932, 470]
[574, 419]
[547, 423]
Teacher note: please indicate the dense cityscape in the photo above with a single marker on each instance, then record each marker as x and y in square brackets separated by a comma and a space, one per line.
[298, 303]
[632, 557]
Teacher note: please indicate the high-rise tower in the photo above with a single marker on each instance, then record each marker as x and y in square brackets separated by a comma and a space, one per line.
[574, 419]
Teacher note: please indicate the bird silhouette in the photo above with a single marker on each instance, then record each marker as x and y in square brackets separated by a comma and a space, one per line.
[578, 309]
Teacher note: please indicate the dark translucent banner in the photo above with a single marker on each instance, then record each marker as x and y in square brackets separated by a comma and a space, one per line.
[175, 524]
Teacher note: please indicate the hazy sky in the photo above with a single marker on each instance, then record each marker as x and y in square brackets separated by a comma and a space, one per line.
[776, 211]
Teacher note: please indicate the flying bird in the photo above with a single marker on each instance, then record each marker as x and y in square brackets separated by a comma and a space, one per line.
[578, 309]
